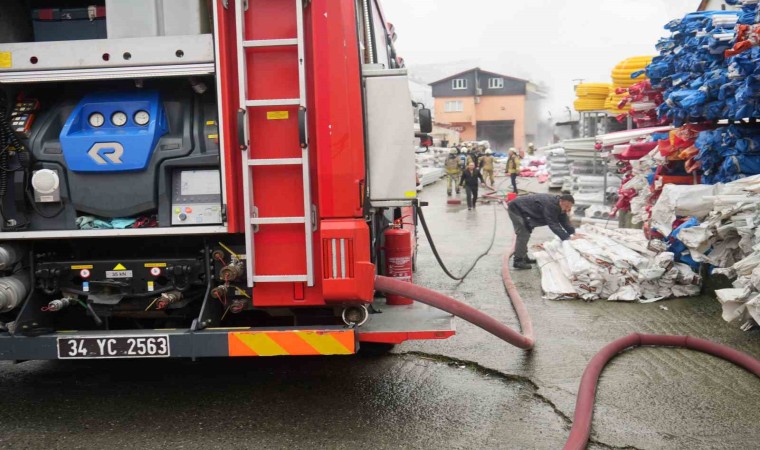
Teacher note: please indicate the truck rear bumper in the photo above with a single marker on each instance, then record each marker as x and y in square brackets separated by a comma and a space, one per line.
[395, 324]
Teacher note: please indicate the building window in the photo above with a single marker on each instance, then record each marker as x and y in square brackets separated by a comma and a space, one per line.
[454, 106]
[459, 83]
[495, 83]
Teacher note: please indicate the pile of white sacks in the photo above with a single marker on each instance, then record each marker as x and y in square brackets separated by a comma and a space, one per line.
[639, 183]
[727, 237]
[614, 265]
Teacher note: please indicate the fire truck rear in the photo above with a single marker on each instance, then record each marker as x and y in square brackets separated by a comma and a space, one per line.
[193, 178]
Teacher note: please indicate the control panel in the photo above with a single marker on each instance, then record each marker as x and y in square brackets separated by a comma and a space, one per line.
[23, 115]
[196, 197]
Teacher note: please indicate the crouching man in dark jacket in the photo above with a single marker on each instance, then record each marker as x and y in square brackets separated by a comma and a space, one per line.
[537, 210]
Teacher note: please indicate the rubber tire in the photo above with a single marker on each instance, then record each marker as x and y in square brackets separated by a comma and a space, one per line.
[375, 349]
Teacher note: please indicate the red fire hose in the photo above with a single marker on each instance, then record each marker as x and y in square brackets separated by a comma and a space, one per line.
[453, 306]
[584, 407]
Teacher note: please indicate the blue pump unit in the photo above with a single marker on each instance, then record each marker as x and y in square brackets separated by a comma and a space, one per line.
[113, 146]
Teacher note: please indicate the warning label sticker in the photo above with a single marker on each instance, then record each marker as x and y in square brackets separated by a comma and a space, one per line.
[81, 266]
[155, 264]
[6, 60]
[119, 266]
[277, 115]
[118, 274]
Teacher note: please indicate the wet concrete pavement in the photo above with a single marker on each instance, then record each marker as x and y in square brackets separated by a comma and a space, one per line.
[647, 398]
[470, 391]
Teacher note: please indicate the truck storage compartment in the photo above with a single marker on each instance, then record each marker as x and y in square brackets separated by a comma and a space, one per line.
[143, 18]
[108, 40]
[60, 24]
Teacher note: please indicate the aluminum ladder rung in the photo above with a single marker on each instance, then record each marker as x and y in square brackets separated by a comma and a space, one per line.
[296, 46]
[275, 162]
[276, 220]
[273, 102]
[270, 43]
[280, 278]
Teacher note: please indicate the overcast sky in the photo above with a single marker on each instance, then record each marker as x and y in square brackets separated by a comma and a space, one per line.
[551, 41]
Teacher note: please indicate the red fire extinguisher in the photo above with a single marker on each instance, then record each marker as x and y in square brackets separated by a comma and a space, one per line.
[398, 259]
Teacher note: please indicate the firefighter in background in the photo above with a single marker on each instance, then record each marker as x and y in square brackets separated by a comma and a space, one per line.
[513, 167]
[463, 156]
[486, 166]
[453, 167]
[531, 149]
[474, 156]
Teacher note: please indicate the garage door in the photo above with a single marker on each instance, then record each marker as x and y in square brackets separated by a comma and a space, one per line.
[500, 133]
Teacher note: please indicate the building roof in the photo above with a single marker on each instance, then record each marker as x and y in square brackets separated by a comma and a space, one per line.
[479, 70]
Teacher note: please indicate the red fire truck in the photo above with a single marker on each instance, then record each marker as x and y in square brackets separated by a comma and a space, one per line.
[195, 178]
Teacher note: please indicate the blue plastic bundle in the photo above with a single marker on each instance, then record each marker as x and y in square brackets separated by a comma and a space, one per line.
[692, 70]
[749, 12]
[679, 250]
[728, 153]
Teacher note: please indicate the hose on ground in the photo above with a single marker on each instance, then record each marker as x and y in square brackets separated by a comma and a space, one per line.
[584, 406]
[438, 257]
[526, 324]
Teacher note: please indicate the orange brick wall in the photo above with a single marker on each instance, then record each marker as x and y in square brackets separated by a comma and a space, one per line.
[510, 107]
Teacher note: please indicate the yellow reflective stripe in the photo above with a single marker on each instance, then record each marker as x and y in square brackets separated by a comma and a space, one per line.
[262, 344]
[325, 344]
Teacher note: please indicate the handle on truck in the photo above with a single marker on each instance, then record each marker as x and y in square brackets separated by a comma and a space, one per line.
[241, 129]
[302, 127]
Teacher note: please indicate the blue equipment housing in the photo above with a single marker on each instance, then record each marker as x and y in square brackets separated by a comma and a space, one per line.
[112, 148]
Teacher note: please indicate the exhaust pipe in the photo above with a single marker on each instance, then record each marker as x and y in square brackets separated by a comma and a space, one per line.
[357, 315]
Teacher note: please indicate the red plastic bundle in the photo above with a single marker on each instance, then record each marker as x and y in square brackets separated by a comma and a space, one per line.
[637, 151]
[644, 100]
[747, 36]
[680, 146]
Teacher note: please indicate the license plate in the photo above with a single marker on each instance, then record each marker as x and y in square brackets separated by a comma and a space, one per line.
[118, 274]
[113, 347]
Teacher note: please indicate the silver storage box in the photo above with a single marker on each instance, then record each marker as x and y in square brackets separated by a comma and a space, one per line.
[143, 18]
[390, 133]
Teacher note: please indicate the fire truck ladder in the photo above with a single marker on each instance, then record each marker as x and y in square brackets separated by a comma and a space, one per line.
[245, 45]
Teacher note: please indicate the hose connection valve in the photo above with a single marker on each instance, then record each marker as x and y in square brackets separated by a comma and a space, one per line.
[167, 298]
[59, 304]
[237, 305]
[232, 271]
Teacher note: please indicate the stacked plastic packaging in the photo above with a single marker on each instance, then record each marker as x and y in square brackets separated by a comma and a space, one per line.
[591, 96]
[586, 180]
[719, 227]
[630, 174]
[558, 167]
[612, 265]
[430, 165]
[695, 189]
[697, 80]
[727, 153]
